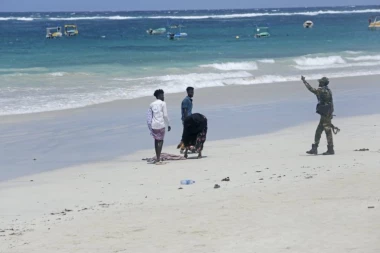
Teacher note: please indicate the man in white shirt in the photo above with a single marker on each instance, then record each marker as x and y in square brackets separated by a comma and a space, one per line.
[157, 118]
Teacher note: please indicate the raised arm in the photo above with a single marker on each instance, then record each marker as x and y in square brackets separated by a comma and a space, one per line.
[308, 86]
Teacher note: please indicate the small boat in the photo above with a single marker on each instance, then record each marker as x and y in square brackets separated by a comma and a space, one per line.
[308, 24]
[262, 32]
[53, 32]
[71, 30]
[156, 31]
[375, 24]
[176, 35]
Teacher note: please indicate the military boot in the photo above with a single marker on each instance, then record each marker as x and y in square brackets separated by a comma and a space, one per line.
[330, 150]
[313, 150]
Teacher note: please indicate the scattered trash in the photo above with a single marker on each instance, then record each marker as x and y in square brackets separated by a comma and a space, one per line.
[216, 186]
[227, 179]
[258, 171]
[371, 207]
[308, 177]
[180, 188]
[187, 181]
[362, 149]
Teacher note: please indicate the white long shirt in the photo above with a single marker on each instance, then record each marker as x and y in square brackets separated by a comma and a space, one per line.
[159, 114]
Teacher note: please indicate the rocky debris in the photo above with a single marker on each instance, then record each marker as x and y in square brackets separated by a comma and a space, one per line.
[227, 179]
[62, 213]
[362, 149]
[216, 186]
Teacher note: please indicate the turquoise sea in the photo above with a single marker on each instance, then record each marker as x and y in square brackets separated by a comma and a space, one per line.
[114, 58]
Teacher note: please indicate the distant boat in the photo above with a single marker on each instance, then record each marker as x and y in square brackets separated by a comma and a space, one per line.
[71, 30]
[176, 35]
[262, 32]
[375, 24]
[156, 31]
[53, 32]
[308, 24]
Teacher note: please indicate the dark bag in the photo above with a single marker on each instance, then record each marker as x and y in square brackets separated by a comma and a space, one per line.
[324, 110]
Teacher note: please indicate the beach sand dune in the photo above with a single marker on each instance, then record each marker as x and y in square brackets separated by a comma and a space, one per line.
[278, 199]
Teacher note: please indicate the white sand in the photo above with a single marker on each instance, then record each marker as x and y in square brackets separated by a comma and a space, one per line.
[305, 204]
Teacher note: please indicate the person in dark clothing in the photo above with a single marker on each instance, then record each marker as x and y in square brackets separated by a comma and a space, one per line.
[194, 133]
[186, 110]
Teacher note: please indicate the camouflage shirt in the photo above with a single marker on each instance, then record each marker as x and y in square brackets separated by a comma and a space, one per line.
[323, 94]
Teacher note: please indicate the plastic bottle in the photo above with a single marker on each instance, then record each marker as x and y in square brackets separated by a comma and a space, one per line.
[187, 181]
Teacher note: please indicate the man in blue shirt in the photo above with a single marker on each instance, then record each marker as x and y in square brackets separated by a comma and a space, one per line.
[186, 110]
[187, 103]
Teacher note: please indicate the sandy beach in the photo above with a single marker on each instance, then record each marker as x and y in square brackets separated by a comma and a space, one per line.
[278, 199]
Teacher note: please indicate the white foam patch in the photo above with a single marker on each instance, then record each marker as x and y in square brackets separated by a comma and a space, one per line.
[232, 66]
[16, 18]
[365, 58]
[58, 74]
[280, 79]
[267, 61]
[337, 66]
[319, 61]
[353, 52]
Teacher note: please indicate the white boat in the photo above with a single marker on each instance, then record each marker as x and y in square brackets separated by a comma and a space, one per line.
[375, 24]
[308, 24]
[53, 32]
[178, 35]
[156, 31]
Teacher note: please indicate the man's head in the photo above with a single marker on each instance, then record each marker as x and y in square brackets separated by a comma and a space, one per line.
[159, 94]
[190, 91]
[324, 81]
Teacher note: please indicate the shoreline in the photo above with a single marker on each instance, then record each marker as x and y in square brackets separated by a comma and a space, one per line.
[273, 196]
[202, 95]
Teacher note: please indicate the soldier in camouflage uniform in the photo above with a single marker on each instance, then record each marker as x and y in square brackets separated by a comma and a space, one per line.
[325, 108]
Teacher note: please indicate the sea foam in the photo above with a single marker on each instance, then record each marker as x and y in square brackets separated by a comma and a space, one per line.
[232, 66]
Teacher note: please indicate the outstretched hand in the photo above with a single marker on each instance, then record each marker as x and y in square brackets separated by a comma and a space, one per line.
[303, 78]
[169, 128]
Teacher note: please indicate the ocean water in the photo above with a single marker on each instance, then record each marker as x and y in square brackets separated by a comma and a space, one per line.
[114, 58]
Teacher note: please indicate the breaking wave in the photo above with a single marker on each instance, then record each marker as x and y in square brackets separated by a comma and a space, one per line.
[319, 61]
[232, 66]
[212, 16]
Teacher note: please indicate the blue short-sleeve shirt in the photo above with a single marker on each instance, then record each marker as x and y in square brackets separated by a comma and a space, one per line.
[187, 104]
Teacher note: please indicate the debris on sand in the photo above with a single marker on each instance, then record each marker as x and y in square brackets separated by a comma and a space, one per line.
[362, 149]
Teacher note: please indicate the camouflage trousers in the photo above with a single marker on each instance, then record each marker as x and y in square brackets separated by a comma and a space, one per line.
[324, 125]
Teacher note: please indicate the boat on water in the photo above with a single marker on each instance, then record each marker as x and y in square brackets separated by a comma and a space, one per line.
[156, 31]
[308, 24]
[71, 30]
[375, 24]
[262, 32]
[178, 34]
[53, 32]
